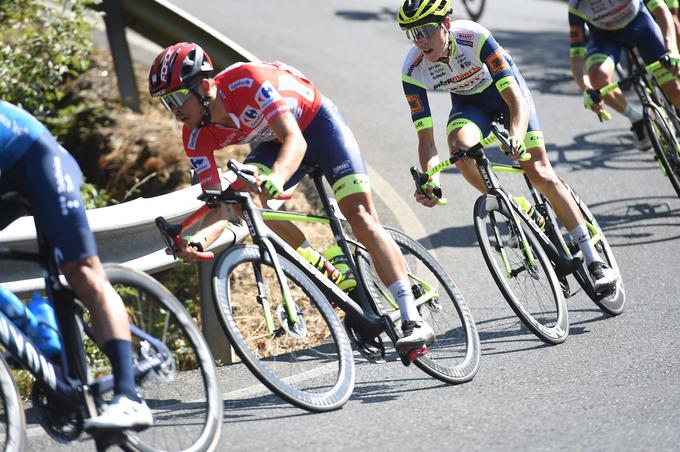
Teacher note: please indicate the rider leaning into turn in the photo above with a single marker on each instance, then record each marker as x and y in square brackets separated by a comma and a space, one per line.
[613, 25]
[463, 58]
[276, 107]
[34, 165]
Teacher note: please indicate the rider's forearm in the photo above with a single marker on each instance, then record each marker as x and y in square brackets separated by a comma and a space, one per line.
[290, 156]
[213, 226]
[428, 156]
[519, 112]
[577, 65]
[665, 20]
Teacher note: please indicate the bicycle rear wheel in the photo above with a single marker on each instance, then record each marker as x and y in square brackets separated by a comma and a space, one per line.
[664, 139]
[474, 8]
[308, 364]
[613, 302]
[12, 420]
[454, 355]
[531, 289]
[182, 393]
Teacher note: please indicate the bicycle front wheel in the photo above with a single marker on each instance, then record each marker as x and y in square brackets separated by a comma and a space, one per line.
[308, 363]
[454, 355]
[474, 8]
[525, 276]
[182, 392]
[12, 420]
[664, 139]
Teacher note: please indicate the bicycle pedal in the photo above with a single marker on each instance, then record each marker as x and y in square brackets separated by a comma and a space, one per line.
[412, 355]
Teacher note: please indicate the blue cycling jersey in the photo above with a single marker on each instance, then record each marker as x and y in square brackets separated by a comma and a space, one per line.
[18, 131]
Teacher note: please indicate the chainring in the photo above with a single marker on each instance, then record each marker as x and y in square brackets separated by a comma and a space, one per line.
[60, 420]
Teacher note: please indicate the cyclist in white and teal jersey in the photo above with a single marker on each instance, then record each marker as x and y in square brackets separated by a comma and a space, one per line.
[34, 165]
[614, 24]
[463, 58]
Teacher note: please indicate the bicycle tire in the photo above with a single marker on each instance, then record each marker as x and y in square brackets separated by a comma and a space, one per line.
[190, 405]
[665, 144]
[454, 356]
[313, 368]
[474, 8]
[614, 302]
[546, 316]
[12, 417]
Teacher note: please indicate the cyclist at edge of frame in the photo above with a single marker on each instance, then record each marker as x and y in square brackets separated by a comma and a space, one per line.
[612, 25]
[34, 165]
[463, 58]
[277, 108]
[673, 6]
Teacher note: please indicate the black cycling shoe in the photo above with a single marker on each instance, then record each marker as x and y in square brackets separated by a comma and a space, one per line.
[640, 139]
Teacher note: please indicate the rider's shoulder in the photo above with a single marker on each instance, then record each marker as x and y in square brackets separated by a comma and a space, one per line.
[467, 29]
[413, 60]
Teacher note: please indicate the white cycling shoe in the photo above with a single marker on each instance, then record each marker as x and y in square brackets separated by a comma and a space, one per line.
[121, 413]
[417, 334]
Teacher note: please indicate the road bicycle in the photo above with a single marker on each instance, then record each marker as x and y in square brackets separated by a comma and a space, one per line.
[274, 306]
[173, 367]
[530, 262]
[474, 8]
[661, 121]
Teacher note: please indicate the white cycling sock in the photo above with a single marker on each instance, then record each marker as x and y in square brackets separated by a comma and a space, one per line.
[582, 238]
[632, 113]
[401, 291]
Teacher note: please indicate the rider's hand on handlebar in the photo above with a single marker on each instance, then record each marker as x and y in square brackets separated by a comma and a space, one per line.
[426, 195]
[592, 100]
[671, 61]
[272, 184]
[191, 249]
[517, 148]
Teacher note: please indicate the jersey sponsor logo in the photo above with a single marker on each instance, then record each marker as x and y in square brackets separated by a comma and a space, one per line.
[464, 42]
[200, 164]
[241, 83]
[496, 62]
[576, 35]
[266, 95]
[193, 138]
[250, 116]
[466, 36]
[341, 167]
[415, 64]
[415, 104]
[288, 83]
[460, 78]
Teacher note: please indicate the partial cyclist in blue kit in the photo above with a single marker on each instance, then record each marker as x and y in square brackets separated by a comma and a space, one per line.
[34, 165]
[463, 58]
[613, 25]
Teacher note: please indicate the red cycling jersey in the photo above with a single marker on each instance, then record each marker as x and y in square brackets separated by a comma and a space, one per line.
[253, 94]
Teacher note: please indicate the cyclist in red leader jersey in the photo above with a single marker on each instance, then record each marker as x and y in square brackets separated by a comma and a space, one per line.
[276, 107]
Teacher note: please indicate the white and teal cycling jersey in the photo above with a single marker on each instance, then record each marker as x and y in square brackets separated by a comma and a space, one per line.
[606, 14]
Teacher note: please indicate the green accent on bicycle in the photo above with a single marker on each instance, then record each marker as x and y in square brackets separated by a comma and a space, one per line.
[351, 184]
[575, 52]
[505, 83]
[272, 215]
[423, 123]
[429, 294]
[500, 168]
[459, 123]
[439, 167]
[268, 319]
[595, 58]
[488, 140]
[506, 262]
[527, 252]
[595, 234]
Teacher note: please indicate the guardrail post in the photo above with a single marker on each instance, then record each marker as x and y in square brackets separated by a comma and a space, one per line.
[115, 31]
[212, 329]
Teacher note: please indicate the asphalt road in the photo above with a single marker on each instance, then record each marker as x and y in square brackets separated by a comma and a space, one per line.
[613, 385]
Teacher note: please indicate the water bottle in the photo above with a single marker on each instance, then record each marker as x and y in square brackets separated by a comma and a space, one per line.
[321, 263]
[46, 336]
[530, 210]
[14, 308]
[336, 257]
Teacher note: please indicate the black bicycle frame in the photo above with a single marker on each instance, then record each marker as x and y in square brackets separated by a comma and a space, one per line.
[362, 315]
[67, 380]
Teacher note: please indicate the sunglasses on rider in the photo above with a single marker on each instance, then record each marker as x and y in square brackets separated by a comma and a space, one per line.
[424, 31]
[175, 99]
